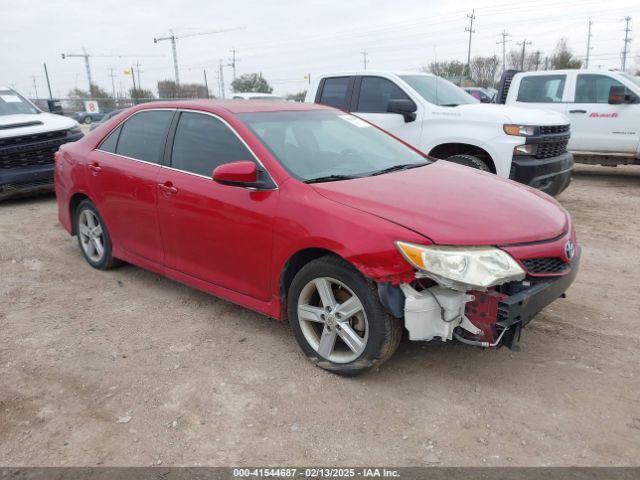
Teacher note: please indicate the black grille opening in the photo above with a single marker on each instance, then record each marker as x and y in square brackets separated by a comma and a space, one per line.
[546, 150]
[551, 129]
[30, 150]
[545, 265]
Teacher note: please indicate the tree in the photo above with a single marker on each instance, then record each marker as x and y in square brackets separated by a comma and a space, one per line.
[169, 89]
[563, 57]
[532, 60]
[251, 82]
[140, 94]
[484, 70]
[297, 97]
[453, 70]
[105, 101]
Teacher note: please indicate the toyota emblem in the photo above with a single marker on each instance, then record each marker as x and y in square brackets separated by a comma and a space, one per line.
[569, 250]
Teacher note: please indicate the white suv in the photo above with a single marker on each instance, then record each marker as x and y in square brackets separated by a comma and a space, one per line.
[442, 120]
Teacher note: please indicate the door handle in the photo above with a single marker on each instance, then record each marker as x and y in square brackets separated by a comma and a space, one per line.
[168, 188]
[577, 111]
[95, 168]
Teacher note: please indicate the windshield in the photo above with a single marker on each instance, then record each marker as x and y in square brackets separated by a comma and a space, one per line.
[438, 91]
[11, 103]
[634, 78]
[328, 145]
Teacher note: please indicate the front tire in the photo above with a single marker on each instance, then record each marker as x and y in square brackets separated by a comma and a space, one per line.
[87, 120]
[93, 237]
[469, 161]
[338, 320]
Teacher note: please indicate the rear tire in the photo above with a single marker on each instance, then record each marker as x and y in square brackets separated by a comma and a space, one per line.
[353, 335]
[93, 237]
[469, 161]
[87, 120]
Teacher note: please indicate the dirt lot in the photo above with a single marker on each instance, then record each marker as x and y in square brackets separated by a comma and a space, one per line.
[128, 368]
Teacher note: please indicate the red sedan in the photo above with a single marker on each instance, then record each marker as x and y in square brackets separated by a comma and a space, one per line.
[306, 214]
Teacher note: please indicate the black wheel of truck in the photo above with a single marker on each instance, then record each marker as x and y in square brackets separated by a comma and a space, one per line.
[469, 161]
[338, 319]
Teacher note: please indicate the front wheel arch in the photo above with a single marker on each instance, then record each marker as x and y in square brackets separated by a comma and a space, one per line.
[446, 150]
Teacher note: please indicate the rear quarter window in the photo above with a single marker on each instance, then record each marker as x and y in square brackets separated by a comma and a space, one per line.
[334, 92]
[542, 89]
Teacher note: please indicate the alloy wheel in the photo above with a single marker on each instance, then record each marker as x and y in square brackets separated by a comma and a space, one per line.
[333, 320]
[91, 235]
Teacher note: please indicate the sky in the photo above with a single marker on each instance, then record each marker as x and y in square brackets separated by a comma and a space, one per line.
[286, 40]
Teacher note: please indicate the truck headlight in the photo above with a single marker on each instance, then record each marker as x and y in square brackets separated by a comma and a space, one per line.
[519, 130]
[463, 268]
[527, 149]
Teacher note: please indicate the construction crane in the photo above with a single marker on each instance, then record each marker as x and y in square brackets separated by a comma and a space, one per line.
[174, 37]
[86, 57]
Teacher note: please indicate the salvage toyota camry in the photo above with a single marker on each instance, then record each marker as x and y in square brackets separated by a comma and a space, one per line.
[306, 214]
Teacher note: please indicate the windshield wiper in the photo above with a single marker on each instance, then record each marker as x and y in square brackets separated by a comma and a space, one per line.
[331, 178]
[395, 168]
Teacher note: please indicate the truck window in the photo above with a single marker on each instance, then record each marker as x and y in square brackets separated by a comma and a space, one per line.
[542, 89]
[334, 92]
[375, 93]
[594, 88]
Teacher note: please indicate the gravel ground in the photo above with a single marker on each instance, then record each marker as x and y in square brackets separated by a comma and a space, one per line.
[128, 368]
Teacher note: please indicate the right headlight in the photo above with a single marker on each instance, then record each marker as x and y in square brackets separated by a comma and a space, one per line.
[463, 268]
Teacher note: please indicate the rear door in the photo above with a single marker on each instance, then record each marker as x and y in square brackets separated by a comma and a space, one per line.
[371, 95]
[545, 91]
[597, 126]
[216, 233]
[122, 174]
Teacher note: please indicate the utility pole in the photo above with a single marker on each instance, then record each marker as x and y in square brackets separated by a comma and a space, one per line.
[35, 86]
[173, 38]
[221, 78]
[46, 75]
[206, 84]
[627, 41]
[589, 48]
[471, 31]
[113, 83]
[504, 41]
[233, 61]
[524, 43]
[138, 71]
[364, 58]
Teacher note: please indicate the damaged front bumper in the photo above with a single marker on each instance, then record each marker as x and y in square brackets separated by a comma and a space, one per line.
[493, 318]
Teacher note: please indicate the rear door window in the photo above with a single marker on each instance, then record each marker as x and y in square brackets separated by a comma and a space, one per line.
[542, 89]
[335, 92]
[203, 142]
[143, 135]
[375, 93]
[593, 88]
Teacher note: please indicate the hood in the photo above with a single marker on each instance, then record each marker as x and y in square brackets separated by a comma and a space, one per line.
[34, 123]
[490, 112]
[454, 205]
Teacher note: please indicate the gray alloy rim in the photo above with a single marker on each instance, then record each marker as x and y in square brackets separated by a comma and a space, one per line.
[91, 235]
[333, 320]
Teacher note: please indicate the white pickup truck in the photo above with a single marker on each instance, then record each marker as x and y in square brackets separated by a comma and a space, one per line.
[603, 107]
[440, 119]
[29, 138]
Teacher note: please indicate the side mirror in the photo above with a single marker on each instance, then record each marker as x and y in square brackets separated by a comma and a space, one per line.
[619, 94]
[404, 107]
[243, 173]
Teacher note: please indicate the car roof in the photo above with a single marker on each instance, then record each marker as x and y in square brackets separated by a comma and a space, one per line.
[234, 106]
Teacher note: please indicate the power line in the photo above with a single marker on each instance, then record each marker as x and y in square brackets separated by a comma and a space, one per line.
[589, 47]
[627, 41]
[471, 31]
[173, 38]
